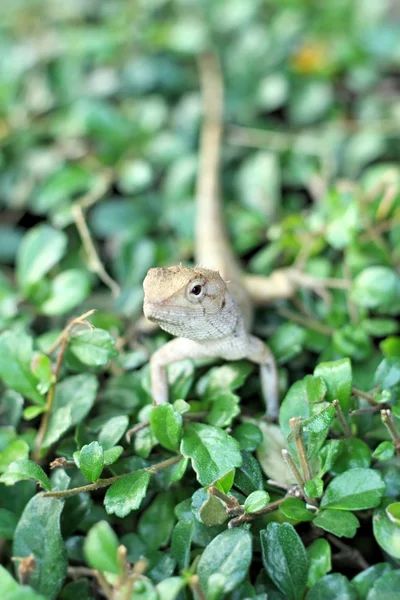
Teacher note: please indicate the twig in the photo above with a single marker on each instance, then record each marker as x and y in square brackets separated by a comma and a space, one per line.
[365, 410]
[194, 584]
[296, 473]
[63, 340]
[351, 553]
[101, 483]
[388, 421]
[370, 399]
[94, 261]
[305, 321]
[343, 423]
[230, 501]
[295, 424]
[248, 517]
[77, 321]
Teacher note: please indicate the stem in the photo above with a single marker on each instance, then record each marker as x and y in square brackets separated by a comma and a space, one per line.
[247, 517]
[370, 399]
[78, 321]
[305, 321]
[296, 473]
[100, 483]
[295, 422]
[343, 423]
[63, 340]
[194, 583]
[230, 501]
[388, 421]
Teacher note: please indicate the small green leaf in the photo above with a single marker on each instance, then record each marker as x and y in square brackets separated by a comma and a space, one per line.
[328, 455]
[377, 288]
[355, 454]
[319, 556]
[127, 493]
[67, 290]
[356, 489]
[315, 389]
[213, 511]
[181, 543]
[314, 488]
[113, 431]
[285, 559]
[38, 533]
[295, 509]
[15, 451]
[248, 435]
[319, 421]
[224, 408]
[220, 379]
[386, 532]
[287, 342]
[100, 548]
[337, 376]
[227, 556]
[340, 523]
[41, 368]
[16, 354]
[112, 454]
[41, 248]
[170, 588]
[386, 587]
[256, 501]
[93, 347]
[393, 512]
[364, 581]
[248, 477]
[91, 461]
[212, 451]
[166, 426]
[332, 587]
[25, 469]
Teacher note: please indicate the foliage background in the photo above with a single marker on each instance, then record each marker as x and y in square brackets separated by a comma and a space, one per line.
[99, 119]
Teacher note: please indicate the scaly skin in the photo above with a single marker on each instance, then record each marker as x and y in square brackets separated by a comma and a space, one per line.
[211, 317]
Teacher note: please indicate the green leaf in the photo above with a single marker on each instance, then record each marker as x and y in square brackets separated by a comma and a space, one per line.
[319, 556]
[340, 523]
[256, 501]
[320, 421]
[364, 581]
[248, 435]
[15, 451]
[100, 548]
[166, 426]
[38, 534]
[112, 455]
[285, 559]
[41, 368]
[181, 543]
[287, 342]
[248, 477]
[315, 389]
[228, 557]
[328, 455]
[73, 399]
[295, 509]
[337, 376]
[220, 379]
[388, 373]
[314, 488]
[157, 521]
[213, 511]
[393, 512]
[16, 354]
[93, 347]
[8, 524]
[91, 461]
[67, 290]
[387, 587]
[10, 589]
[41, 249]
[332, 587]
[113, 431]
[377, 288]
[386, 533]
[170, 588]
[212, 451]
[224, 408]
[127, 493]
[356, 489]
[355, 454]
[25, 469]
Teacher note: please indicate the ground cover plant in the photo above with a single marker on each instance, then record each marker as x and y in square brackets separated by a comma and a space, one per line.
[102, 495]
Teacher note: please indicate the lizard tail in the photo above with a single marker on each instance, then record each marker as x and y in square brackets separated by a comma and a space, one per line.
[212, 248]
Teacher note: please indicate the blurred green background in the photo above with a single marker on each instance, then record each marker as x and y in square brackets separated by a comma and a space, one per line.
[101, 99]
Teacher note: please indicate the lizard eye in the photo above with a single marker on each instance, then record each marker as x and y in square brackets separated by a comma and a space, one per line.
[195, 291]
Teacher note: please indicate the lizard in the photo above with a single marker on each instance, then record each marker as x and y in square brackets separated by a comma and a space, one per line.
[210, 307]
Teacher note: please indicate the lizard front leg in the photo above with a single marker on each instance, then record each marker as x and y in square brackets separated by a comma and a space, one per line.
[260, 354]
[174, 351]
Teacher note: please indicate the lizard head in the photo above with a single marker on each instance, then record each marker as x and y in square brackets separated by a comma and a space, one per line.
[191, 303]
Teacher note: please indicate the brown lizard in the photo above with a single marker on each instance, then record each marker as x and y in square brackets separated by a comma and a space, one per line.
[210, 309]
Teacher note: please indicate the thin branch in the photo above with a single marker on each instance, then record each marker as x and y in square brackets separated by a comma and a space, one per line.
[388, 421]
[352, 553]
[230, 501]
[94, 261]
[77, 321]
[194, 584]
[343, 423]
[101, 483]
[248, 517]
[305, 321]
[295, 424]
[368, 397]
